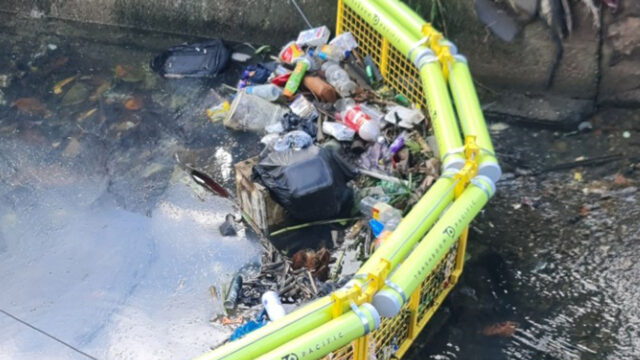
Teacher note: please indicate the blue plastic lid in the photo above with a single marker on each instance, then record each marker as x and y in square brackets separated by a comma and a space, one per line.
[376, 227]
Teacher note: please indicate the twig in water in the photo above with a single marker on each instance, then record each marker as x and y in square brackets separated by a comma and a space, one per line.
[586, 162]
[310, 224]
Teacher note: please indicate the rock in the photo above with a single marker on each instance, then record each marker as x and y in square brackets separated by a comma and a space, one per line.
[585, 126]
[551, 111]
[227, 229]
[620, 60]
[77, 94]
[72, 149]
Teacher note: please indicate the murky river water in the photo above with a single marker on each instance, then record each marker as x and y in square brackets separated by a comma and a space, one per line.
[108, 246]
[105, 243]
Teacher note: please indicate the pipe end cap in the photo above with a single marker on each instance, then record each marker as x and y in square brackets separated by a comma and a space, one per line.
[491, 170]
[386, 303]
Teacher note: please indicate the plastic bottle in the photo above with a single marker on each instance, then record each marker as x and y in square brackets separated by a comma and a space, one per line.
[396, 145]
[373, 112]
[218, 112]
[268, 92]
[271, 303]
[345, 41]
[314, 37]
[337, 130]
[338, 78]
[387, 215]
[303, 107]
[329, 52]
[366, 205]
[352, 116]
[302, 65]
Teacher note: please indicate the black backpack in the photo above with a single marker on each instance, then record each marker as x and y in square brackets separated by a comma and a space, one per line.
[205, 59]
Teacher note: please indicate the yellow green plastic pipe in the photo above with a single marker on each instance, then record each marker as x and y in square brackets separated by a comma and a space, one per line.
[413, 226]
[461, 84]
[328, 337]
[403, 14]
[430, 251]
[411, 229]
[445, 126]
[471, 117]
[275, 333]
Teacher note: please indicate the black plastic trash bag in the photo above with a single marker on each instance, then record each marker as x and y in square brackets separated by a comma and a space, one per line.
[311, 184]
[206, 59]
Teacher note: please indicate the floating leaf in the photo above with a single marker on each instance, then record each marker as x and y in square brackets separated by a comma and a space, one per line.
[57, 88]
[133, 103]
[31, 106]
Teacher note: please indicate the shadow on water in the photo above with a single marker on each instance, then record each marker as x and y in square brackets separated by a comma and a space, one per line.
[105, 243]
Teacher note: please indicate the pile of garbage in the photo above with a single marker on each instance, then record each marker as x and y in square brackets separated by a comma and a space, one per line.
[340, 149]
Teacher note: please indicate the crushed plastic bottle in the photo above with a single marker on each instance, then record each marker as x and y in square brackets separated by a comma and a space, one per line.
[352, 116]
[268, 92]
[314, 37]
[249, 112]
[339, 131]
[369, 202]
[338, 78]
[329, 53]
[303, 107]
[345, 41]
[386, 214]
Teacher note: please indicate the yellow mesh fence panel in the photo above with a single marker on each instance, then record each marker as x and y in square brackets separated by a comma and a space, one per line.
[398, 72]
[436, 283]
[394, 336]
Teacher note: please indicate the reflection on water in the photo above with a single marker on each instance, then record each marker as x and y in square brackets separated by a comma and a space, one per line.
[105, 244]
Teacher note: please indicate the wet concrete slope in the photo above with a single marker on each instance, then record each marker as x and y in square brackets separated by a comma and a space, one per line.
[107, 247]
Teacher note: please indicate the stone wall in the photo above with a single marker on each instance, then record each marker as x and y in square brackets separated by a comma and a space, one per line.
[259, 21]
[620, 62]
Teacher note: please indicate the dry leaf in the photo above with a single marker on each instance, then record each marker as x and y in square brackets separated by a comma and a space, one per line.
[133, 103]
[31, 106]
[503, 329]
